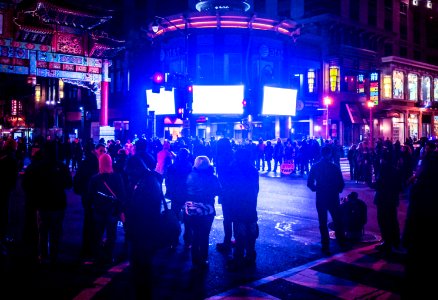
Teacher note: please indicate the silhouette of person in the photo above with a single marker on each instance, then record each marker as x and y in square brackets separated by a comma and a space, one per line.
[165, 158]
[8, 180]
[50, 201]
[419, 232]
[224, 159]
[88, 167]
[388, 186]
[176, 190]
[354, 216]
[244, 189]
[202, 188]
[142, 213]
[107, 195]
[325, 178]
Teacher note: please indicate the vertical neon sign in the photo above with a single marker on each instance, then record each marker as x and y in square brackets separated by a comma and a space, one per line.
[360, 84]
[374, 87]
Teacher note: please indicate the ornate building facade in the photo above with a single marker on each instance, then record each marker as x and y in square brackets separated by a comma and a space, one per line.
[54, 69]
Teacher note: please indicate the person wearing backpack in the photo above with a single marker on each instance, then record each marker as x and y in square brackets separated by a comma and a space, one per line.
[107, 195]
[142, 216]
[354, 216]
[88, 167]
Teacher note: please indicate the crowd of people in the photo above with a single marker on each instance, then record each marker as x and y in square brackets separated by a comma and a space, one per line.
[192, 173]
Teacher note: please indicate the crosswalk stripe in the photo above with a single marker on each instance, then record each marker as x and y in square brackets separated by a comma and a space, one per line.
[339, 287]
[308, 276]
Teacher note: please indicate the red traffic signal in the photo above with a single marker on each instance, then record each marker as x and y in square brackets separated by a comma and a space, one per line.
[157, 82]
[158, 78]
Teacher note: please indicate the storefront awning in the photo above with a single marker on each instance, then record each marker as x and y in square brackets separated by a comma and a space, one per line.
[354, 112]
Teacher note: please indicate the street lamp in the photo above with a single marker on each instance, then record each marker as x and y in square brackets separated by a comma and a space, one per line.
[158, 23]
[370, 105]
[162, 25]
[327, 101]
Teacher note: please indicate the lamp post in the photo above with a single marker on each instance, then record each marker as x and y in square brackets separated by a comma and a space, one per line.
[370, 105]
[327, 101]
[165, 23]
[156, 27]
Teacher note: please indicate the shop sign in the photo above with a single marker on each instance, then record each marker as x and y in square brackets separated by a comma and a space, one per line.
[287, 167]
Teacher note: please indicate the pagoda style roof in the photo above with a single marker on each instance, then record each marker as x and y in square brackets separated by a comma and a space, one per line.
[54, 14]
[33, 33]
[39, 21]
[104, 46]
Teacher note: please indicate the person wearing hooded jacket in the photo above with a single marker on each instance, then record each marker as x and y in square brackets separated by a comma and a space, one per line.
[165, 158]
[202, 188]
[107, 194]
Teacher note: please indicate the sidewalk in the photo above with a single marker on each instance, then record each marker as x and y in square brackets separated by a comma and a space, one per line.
[362, 273]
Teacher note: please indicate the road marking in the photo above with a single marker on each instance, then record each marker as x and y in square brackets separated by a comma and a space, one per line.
[304, 276]
[101, 282]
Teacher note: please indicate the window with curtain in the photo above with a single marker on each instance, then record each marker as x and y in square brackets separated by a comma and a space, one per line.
[398, 84]
[412, 87]
[425, 88]
[387, 86]
[435, 89]
[334, 79]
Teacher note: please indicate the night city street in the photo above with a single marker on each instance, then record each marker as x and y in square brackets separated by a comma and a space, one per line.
[290, 264]
[92, 88]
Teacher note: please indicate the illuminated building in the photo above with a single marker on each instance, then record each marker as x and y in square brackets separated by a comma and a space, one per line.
[54, 69]
[352, 51]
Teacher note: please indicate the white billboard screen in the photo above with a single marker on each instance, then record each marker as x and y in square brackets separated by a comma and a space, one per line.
[162, 103]
[218, 99]
[279, 101]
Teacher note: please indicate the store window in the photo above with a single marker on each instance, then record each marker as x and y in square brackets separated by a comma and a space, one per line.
[398, 83]
[435, 89]
[205, 68]
[426, 127]
[334, 79]
[397, 128]
[233, 68]
[348, 84]
[435, 126]
[413, 126]
[412, 87]
[425, 89]
[387, 86]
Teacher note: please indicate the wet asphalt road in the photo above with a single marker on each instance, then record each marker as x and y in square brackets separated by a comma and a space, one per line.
[289, 237]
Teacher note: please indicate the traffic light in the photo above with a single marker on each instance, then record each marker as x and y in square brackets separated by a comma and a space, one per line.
[188, 99]
[157, 82]
[244, 106]
[169, 81]
[189, 96]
